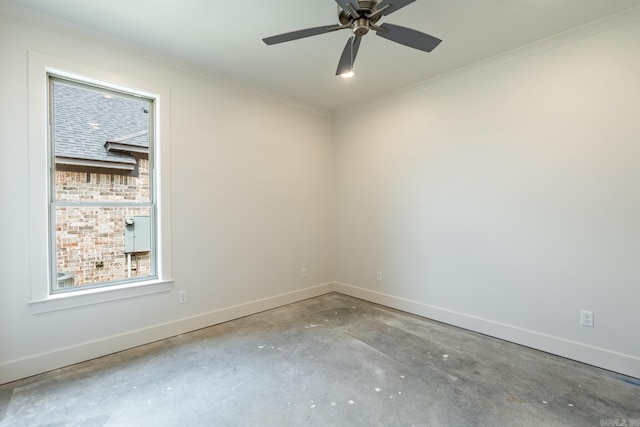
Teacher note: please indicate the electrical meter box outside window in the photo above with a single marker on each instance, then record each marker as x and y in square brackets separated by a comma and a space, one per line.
[137, 234]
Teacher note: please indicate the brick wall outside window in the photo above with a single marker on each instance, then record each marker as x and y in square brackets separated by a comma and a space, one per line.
[90, 240]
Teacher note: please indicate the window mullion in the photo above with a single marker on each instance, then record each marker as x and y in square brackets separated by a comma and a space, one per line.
[101, 204]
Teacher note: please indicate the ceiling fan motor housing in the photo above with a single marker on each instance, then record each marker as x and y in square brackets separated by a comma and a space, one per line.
[366, 7]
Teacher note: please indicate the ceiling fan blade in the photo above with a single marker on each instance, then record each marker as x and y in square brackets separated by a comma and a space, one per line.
[348, 56]
[354, 48]
[393, 5]
[409, 37]
[300, 34]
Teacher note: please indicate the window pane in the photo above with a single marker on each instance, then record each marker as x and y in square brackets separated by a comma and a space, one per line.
[102, 244]
[101, 144]
[102, 189]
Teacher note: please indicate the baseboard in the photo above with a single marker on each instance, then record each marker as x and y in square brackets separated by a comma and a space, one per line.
[37, 364]
[602, 358]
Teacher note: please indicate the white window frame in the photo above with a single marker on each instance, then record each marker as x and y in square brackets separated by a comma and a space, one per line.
[42, 299]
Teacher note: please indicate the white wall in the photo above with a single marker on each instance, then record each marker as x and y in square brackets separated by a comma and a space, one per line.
[251, 182]
[505, 198]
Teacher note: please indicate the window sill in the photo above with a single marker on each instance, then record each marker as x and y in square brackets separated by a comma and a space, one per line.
[99, 295]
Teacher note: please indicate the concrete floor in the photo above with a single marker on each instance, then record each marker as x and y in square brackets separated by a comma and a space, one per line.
[328, 361]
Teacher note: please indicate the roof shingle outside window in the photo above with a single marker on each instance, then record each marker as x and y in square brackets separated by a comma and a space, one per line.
[94, 129]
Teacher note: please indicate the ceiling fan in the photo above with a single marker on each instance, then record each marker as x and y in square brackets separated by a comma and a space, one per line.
[361, 16]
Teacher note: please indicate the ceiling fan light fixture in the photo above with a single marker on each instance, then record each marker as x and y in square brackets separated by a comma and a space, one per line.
[348, 74]
[361, 16]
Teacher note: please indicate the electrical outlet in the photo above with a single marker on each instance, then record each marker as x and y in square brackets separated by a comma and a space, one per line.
[586, 318]
[182, 297]
[378, 276]
[303, 273]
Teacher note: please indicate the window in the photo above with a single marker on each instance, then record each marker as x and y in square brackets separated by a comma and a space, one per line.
[99, 212]
[102, 193]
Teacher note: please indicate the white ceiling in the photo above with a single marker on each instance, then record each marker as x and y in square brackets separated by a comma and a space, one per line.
[224, 37]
